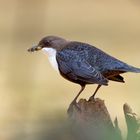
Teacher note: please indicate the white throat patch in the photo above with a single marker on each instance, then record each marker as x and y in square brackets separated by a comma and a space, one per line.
[52, 57]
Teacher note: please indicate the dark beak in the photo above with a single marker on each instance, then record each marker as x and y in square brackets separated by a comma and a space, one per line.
[34, 48]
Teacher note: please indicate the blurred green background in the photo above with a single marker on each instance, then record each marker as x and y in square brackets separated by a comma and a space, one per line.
[30, 90]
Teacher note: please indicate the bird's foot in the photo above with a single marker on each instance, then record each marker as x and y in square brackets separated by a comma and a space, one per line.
[92, 98]
[74, 105]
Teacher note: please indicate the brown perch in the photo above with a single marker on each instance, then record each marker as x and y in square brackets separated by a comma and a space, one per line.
[93, 119]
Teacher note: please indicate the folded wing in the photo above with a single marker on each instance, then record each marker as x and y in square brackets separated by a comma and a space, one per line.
[72, 63]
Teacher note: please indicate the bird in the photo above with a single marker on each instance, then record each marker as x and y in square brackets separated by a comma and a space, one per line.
[82, 63]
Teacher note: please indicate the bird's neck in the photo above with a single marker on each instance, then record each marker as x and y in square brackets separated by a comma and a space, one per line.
[51, 52]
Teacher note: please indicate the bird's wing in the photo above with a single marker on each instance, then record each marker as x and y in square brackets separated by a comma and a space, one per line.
[106, 63]
[74, 62]
[98, 59]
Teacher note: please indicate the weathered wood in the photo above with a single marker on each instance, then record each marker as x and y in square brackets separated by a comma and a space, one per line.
[90, 112]
[90, 120]
[93, 117]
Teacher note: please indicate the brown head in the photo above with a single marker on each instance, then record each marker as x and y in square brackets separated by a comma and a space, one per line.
[49, 42]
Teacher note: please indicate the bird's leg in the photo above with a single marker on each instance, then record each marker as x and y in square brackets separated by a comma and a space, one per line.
[74, 100]
[92, 97]
[73, 103]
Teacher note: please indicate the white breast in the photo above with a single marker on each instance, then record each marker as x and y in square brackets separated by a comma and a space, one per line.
[52, 57]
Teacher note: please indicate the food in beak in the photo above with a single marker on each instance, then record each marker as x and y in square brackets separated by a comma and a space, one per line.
[34, 48]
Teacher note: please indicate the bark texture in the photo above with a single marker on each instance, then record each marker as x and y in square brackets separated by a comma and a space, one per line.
[94, 122]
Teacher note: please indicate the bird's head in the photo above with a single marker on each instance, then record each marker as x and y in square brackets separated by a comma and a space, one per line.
[49, 42]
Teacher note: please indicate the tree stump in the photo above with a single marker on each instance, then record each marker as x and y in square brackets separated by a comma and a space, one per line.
[93, 121]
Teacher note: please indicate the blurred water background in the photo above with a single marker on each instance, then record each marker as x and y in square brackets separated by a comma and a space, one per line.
[33, 97]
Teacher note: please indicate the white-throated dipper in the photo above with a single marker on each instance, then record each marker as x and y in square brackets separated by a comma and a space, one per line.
[82, 63]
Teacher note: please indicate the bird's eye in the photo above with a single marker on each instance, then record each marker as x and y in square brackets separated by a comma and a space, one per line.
[47, 43]
[44, 42]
